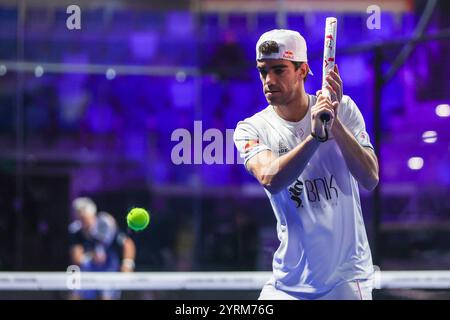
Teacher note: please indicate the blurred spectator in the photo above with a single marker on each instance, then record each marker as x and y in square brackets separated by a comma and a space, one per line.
[97, 245]
[228, 60]
[185, 243]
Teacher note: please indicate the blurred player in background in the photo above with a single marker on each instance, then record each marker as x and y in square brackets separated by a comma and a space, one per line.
[96, 245]
[310, 171]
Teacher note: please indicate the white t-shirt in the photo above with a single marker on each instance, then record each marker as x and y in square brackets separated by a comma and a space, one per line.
[323, 241]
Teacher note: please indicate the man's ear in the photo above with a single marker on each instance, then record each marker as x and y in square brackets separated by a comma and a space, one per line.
[303, 70]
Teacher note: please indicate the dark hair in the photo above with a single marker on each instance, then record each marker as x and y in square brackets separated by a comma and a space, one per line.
[297, 64]
[269, 47]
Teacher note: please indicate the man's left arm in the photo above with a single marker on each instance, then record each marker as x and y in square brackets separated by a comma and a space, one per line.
[129, 255]
[361, 161]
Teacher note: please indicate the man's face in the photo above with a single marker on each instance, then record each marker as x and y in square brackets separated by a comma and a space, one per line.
[281, 82]
[87, 220]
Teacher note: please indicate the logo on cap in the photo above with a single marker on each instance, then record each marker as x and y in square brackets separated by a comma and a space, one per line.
[288, 54]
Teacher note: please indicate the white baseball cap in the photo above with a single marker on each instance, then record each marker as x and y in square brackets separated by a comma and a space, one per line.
[292, 46]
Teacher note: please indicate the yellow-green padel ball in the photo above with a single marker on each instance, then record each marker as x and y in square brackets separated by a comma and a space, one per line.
[138, 219]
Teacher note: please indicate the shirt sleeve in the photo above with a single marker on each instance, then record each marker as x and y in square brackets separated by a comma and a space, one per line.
[247, 141]
[75, 236]
[120, 239]
[353, 120]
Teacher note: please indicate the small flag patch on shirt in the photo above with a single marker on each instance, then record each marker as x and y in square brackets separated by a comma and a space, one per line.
[363, 138]
[250, 144]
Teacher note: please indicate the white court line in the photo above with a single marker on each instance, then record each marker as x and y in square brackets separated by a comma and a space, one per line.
[10, 281]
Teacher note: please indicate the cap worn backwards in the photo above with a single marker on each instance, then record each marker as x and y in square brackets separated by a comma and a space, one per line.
[291, 46]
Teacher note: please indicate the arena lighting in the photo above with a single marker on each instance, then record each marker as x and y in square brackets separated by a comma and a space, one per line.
[3, 70]
[110, 73]
[443, 110]
[429, 136]
[180, 76]
[38, 71]
[134, 70]
[415, 163]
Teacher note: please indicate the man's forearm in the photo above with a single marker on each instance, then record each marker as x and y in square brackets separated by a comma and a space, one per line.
[129, 249]
[361, 163]
[282, 171]
[129, 254]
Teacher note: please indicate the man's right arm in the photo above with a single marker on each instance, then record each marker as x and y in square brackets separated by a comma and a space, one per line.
[129, 255]
[275, 173]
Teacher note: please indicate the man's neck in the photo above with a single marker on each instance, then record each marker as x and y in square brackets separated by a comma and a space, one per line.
[294, 111]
